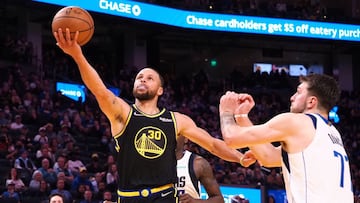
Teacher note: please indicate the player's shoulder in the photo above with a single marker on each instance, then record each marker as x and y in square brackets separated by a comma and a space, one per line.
[289, 116]
[289, 122]
[180, 117]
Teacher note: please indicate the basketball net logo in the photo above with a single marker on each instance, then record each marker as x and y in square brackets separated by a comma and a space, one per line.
[150, 142]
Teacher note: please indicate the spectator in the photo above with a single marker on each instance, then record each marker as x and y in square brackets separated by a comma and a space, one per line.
[78, 194]
[25, 166]
[64, 134]
[60, 189]
[43, 192]
[13, 149]
[96, 180]
[109, 161]
[25, 137]
[4, 146]
[61, 167]
[48, 172]
[35, 182]
[74, 163]
[3, 118]
[44, 152]
[31, 117]
[106, 140]
[10, 193]
[88, 197]
[82, 179]
[108, 197]
[50, 131]
[112, 178]
[55, 148]
[41, 138]
[95, 166]
[68, 149]
[65, 121]
[14, 178]
[17, 124]
[258, 176]
[102, 187]
[274, 180]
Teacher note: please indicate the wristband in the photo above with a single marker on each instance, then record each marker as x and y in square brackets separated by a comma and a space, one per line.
[240, 115]
[241, 160]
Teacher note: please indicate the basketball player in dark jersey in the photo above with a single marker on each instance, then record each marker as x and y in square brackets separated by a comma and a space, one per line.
[145, 135]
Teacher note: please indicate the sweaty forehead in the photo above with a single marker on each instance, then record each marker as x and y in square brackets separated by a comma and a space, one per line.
[302, 86]
[56, 199]
[148, 71]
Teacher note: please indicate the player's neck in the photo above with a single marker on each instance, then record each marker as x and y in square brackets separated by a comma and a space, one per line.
[148, 107]
[316, 111]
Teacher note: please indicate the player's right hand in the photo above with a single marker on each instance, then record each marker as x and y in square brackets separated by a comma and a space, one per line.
[245, 103]
[248, 159]
[64, 41]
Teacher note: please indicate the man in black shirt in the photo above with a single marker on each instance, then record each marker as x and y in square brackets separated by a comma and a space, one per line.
[145, 134]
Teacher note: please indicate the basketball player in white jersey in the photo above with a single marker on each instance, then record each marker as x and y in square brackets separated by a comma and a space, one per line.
[192, 170]
[312, 156]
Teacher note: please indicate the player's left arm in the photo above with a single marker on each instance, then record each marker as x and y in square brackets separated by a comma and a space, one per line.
[187, 127]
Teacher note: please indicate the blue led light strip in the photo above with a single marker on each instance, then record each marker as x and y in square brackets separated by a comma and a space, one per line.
[217, 22]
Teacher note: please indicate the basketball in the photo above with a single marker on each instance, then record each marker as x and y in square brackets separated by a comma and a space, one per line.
[76, 19]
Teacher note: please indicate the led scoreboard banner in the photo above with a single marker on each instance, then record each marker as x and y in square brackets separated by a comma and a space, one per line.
[217, 22]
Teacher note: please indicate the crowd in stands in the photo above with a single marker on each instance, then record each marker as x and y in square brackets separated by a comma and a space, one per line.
[17, 48]
[49, 143]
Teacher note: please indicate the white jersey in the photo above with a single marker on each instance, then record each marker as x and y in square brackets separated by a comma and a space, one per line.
[187, 181]
[319, 173]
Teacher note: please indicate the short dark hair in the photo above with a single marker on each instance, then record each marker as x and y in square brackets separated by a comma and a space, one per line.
[324, 87]
[56, 194]
[162, 81]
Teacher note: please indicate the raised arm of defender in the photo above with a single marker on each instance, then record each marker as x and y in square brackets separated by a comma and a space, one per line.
[266, 154]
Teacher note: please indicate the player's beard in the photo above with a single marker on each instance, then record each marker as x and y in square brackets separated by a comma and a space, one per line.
[148, 95]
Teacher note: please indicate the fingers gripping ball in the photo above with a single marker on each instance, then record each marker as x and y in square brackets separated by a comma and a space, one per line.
[76, 19]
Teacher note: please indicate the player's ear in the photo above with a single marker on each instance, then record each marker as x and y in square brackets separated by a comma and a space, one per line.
[312, 101]
[160, 91]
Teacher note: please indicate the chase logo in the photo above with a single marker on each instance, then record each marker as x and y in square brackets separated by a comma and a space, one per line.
[150, 142]
[120, 7]
[73, 91]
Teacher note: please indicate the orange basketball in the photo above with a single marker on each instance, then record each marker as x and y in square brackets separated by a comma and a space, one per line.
[76, 19]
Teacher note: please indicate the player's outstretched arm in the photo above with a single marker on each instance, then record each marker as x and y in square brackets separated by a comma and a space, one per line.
[112, 106]
[188, 128]
[266, 154]
[241, 133]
